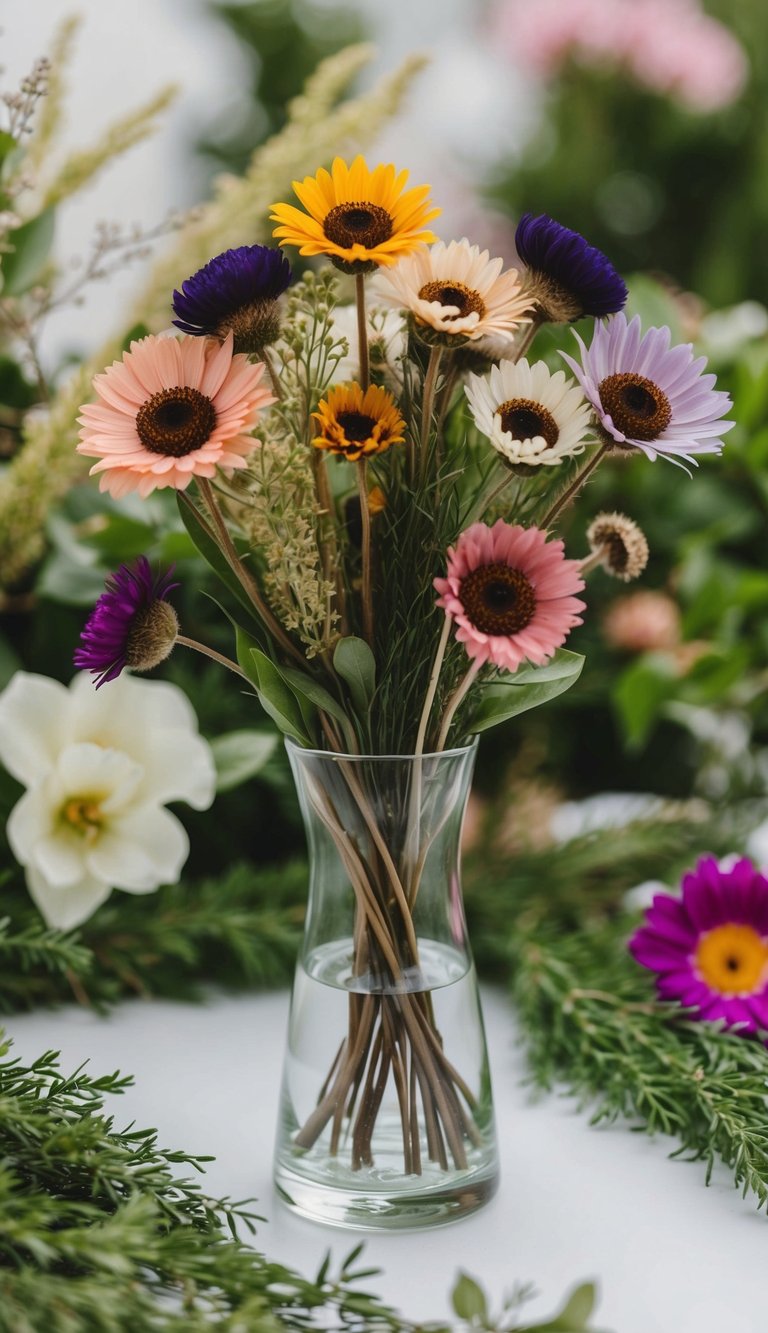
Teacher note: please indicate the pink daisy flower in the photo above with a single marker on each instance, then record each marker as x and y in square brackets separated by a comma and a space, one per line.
[171, 410]
[511, 593]
[709, 948]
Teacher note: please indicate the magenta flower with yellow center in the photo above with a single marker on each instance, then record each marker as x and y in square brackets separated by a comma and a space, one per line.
[170, 410]
[511, 593]
[709, 948]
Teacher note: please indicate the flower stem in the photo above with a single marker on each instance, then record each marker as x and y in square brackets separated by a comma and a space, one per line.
[592, 561]
[572, 491]
[243, 576]
[432, 687]
[453, 703]
[365, 515]
[211, 652]
[527, 335]
[362, 331]
[430, 385]
[269, 363]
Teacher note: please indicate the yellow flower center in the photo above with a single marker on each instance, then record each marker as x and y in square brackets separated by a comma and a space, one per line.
[83, 815]
[733, 959]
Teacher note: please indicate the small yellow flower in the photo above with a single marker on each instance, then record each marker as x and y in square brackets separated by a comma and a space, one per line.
[355, 424]
[360, 218]
[377, 500]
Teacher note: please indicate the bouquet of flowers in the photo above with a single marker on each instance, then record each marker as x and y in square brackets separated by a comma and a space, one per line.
[387, 547]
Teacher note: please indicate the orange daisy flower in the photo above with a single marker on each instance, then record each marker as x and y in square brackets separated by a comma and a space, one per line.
[356, 424]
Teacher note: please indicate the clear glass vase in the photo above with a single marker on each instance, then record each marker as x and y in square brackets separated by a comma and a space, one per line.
[386, 1117]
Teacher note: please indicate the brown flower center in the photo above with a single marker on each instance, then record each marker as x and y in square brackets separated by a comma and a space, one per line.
[175, 422]
[356, 426]
[524, 419]
[358, 224]
[637, 406]
[497, 599]
[456, 294]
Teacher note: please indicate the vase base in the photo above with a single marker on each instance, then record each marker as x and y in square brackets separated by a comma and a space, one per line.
[410, 1207]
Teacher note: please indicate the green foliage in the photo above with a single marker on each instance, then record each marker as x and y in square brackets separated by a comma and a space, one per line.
[283, 42]
[527, 688]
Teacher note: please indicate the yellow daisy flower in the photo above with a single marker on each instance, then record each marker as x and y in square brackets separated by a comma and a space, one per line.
[355, 424]
[360, 218]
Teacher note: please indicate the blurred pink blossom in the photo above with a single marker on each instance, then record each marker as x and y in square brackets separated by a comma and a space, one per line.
[669, 46]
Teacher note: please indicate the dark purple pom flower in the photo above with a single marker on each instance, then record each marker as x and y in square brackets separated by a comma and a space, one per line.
[237, 290]
[570, 277]
[131, 625]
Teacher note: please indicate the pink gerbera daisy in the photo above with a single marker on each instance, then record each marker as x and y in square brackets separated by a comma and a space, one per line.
[171, 410]
[511, 593]
[709, 948]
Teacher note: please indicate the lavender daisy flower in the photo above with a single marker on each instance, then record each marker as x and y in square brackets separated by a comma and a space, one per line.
[132, 624]
[568, 278]
[236, 290]
[709, 949]
[648, 395]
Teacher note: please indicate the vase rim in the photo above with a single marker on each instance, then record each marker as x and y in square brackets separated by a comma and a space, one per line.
[454, 753]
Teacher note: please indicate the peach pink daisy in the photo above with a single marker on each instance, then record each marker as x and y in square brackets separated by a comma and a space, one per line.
[171, 410]
[511, 593]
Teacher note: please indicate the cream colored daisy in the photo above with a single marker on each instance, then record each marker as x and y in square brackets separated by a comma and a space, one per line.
[456, 293]
[530, 415]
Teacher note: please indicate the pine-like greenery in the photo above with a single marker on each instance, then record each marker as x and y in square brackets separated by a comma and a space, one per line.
[102, 1231]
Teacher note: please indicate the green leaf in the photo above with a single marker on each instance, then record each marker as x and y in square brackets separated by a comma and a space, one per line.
[211, 553]
[277, 698]
[355, 663]
[239, 755]
[468, 1299]
[574, 1316]
[302, 684]
[7, 145]
[640, 693]
[31, 243]
[70, 581]
[526, 689]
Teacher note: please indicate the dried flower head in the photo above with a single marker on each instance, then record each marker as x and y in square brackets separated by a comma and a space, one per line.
[236, 290]
[620, 545]
[356, 424]
[361, 219]
[132, 625]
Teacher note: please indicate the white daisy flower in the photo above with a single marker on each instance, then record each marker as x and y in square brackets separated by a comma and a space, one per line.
[529, 414]
[98, 767]
[456, 293]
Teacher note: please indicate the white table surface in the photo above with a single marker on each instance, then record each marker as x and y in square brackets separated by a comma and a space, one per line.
[669, 1255]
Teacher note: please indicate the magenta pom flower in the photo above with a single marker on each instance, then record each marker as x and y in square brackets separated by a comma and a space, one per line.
[648, 395]
[511, 593]
[132, 624]
[710, 947]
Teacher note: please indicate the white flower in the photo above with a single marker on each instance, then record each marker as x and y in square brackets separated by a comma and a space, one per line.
[387, 344]
[458, 291]
[529, 414]
[98, 767]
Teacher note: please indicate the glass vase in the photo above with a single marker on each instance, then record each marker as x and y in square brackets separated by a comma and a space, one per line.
[386, 1117]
